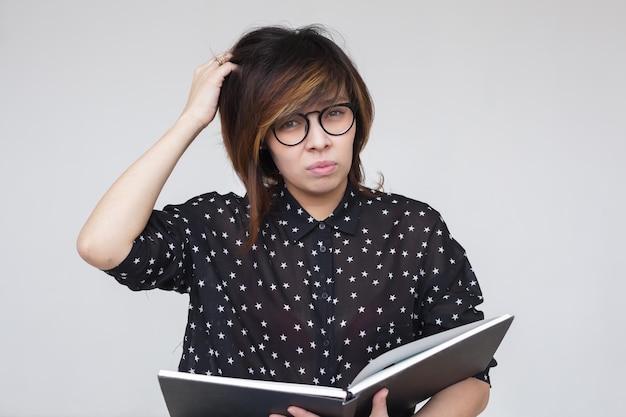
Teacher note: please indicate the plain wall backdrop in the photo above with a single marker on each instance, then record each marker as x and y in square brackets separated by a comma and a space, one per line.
[506, 116]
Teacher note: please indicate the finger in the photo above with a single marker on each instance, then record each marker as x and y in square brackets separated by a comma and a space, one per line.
[204, 71]
[300, 412]
[221, 59]
[217, 60]
[379, 403]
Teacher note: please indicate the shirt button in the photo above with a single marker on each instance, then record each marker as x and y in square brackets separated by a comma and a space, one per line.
[324, 295]
[322, 226]
[322, 249]
[326, 343]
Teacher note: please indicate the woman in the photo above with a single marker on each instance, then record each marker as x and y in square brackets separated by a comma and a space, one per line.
[310, 275]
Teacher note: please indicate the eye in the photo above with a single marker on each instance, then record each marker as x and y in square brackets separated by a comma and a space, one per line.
[289, 123]
[336, 112]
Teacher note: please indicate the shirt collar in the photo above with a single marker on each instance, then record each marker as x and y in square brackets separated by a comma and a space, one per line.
[298, 222]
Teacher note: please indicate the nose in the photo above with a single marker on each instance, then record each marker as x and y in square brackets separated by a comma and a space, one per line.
[316, 138]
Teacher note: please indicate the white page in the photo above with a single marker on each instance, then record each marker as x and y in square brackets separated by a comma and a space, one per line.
[289, 387]
[411, 349]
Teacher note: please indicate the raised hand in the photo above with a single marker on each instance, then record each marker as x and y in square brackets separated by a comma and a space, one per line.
[205, 89]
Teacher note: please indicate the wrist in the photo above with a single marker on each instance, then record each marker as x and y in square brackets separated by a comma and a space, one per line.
[191, 122]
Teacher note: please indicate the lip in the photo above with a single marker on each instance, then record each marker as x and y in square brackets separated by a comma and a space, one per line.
[322, 167]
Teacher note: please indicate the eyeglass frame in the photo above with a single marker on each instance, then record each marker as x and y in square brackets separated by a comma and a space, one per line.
[352, 106]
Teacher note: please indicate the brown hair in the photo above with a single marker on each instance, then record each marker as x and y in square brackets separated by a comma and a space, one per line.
[281, 69]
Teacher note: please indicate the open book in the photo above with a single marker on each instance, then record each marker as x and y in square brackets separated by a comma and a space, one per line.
[412, 372]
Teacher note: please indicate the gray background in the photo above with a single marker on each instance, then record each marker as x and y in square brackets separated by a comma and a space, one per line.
[507, 116]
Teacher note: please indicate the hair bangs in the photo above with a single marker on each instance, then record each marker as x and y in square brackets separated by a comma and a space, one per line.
[318, 82]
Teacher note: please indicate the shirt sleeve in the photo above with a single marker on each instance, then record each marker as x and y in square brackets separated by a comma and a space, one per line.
[449, 291]
[159, 257]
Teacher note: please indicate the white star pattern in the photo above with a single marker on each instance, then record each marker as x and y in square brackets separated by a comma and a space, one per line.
[310, 302]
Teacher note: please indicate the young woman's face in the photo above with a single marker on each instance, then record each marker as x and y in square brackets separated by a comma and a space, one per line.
[316, 169]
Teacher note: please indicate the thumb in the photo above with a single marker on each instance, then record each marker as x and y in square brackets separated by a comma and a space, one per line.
[379, 403]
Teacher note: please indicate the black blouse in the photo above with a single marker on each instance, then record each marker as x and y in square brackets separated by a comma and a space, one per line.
[311, 302]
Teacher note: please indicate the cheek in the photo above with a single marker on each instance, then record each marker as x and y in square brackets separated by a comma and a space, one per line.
[280, 156]
[348, 149]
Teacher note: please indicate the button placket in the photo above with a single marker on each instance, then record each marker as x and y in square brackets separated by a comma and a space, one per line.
[325, 308]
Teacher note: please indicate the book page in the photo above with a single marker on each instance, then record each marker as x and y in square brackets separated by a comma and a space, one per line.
[288, 387]
[410, 349]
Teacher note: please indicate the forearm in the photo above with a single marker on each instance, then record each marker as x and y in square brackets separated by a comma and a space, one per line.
[124, 210]
[467, 398]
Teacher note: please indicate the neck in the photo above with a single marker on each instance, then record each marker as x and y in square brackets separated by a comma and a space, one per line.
[319, 206]
[319, 212]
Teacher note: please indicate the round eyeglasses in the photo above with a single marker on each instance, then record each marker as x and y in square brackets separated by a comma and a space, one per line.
[335, 120]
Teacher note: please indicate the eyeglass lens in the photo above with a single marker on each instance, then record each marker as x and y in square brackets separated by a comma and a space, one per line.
[335, 120]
